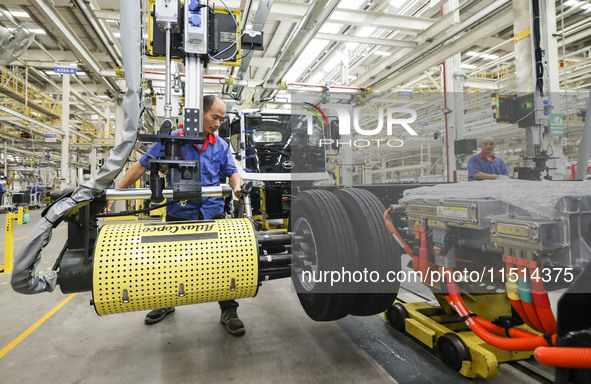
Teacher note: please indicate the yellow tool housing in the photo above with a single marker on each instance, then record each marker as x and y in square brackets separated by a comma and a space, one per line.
[156, 265]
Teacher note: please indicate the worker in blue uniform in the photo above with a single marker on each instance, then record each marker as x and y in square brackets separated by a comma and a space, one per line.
[215, 158]
[485, 165]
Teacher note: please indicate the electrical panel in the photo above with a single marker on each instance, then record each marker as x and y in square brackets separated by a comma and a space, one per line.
[514, 109]
[224, 32]
[196, 27]
[166, 11]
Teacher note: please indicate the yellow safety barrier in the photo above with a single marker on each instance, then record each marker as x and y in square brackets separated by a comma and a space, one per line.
[21, 217]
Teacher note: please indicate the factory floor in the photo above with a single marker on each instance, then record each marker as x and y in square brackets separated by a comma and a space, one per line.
[58, 338]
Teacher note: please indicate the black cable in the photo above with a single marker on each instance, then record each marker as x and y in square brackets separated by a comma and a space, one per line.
[145, 210]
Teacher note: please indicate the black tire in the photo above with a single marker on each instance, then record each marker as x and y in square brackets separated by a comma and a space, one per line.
[376, 248]
[325, 237]
[396, 316]
[452, 350]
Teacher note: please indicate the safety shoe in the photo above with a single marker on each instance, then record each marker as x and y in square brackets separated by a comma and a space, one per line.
[233, 324]
[156, 315]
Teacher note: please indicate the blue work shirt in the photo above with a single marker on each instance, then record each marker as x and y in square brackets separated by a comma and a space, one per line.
[479, 163]
[216, 159]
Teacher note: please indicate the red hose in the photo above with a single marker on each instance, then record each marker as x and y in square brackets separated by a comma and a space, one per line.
[530, 310]
[397, 236]
[542, 302]
[518, 305]
[517, 344]
[424, 256]
[415, 258]
[564, 357]
[513, 332]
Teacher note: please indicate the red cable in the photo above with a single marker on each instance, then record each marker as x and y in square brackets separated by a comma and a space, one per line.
[517, 344]
[564, 357]
[424, 256]
[517, 304]
[397, 236]
[542, 301]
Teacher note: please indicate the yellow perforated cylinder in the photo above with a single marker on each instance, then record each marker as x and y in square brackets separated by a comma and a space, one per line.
[156, 265]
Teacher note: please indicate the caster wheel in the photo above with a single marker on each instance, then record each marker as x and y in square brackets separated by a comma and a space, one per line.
[452, 350]
[396, 315]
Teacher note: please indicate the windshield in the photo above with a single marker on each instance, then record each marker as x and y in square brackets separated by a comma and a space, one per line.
[281, 130]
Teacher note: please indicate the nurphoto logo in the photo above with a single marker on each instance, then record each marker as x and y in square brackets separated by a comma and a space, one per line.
[395, 118]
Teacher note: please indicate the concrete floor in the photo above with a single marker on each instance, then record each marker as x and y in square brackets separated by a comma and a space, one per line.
[74, 345]
[281, 345]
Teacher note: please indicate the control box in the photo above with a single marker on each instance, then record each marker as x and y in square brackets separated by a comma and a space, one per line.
[196, 27]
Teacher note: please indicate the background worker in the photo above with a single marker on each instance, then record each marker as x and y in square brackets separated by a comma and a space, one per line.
[486, 166]
[215, 158]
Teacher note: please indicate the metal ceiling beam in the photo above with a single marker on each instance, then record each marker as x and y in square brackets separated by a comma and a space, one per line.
[366, 40]
[403, 60]
[316, 15]
[54, 18]
[82, 99]
[105, 35]
[40, 124]
[107, 15]
[380, 20]
[258, 23]
[404, 72]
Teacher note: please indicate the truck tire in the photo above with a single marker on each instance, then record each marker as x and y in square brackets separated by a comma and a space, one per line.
[324, 242]
[376, 248]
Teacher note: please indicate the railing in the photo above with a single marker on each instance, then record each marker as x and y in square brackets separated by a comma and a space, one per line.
[16, 86]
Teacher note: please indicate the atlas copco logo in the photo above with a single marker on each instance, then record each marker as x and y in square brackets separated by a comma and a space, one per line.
[395, 117]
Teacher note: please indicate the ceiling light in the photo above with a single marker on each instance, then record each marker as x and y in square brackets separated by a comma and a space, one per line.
[397, 3]
[332, 63]
[365, 31]
[330, 28]
[482, 55]
[489, 57]
[469, 66]
[350, 4]
[19, 14]
[37, 31]
[351, 46]
[309, 54]
[316, 79]
[381, 53]
[574, 3]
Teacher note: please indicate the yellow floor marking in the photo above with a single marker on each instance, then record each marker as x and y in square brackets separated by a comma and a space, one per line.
[34, 326]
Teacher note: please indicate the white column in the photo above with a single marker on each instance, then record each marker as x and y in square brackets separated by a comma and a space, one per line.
[106, 133]
[6, 161]
[119, 121]
[347, 165]
[550, 42]
[64, 179]
[92, 158]
[454, 100]
[524, 65]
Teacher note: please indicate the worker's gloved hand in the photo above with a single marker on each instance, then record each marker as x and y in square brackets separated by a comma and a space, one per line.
[502, 177]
